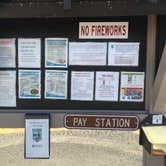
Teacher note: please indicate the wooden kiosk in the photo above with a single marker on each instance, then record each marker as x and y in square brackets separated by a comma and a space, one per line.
[140, 23]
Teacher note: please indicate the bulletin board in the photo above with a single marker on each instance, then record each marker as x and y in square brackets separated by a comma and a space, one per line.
[69, 28]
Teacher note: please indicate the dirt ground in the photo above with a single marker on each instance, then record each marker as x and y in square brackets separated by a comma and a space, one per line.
[76, 148]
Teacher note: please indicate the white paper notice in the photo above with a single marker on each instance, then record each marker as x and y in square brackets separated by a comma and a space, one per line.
[29, 53]
[132, 86]
[56, 52]
[107, 84]
[82, 85]
[89, 53]
[56, 84]
[7, 88]
[123, 54]
[37, 138]
[30, 84]
[7, 53]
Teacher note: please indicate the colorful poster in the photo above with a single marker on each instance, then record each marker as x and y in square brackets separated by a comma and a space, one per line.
[30, 84]
[87, 53]
[107, 86]
[56, 84]
[56, 52]
[7, 88]
[29, 53]
[82, 85]
[37, 138]
[132, 86]
[123, 54]
[7, 53]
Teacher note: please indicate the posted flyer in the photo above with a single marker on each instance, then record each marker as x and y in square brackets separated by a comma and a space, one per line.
[132, 86]
[123, 54]
[56, 52]
[30, 84]
[7, 53]
[56, 84]
[7, 88]
[82, 83]
[29, 53]
[37, 138]
[87, 53]
[107, 86]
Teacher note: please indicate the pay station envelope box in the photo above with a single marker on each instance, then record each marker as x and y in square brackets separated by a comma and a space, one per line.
[153, 138]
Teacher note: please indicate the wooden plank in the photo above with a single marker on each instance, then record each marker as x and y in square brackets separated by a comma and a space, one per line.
[159, 95]
[79, 9]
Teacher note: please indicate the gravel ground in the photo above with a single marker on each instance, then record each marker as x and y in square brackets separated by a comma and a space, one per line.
[76, 148]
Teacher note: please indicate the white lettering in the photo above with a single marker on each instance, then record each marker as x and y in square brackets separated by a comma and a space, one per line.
[102, 122]
[75, 121]
[97, 124]
[79, 121]
[108, 123]
[114, 122]
[84, 120]
[121, 123]
[127, 123]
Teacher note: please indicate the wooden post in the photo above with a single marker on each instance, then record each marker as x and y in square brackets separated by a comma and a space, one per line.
[150, 61]
[165, 161]
[149, 160]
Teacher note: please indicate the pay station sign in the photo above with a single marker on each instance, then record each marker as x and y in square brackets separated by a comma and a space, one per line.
[102, 122]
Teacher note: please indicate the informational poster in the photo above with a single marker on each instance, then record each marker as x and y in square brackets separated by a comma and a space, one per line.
[7, 53]
[103, 30]
[56, 84]
[56, 52]
[107, 86]
[7, 88]
[87, 53]
[123, 54]
[30, 84]
[37, 138]
[132, 86]
[82, 84]
[29, 53]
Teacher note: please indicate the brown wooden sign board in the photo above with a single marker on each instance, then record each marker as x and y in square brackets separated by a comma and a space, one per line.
[111, 122]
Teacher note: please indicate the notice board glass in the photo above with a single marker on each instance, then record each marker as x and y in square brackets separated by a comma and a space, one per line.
[43, 28]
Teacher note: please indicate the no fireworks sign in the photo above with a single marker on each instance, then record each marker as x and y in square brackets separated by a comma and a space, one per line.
[103, 30]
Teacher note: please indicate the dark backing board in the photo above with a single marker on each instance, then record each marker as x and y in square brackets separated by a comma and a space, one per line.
[161, 38]
[69, 28]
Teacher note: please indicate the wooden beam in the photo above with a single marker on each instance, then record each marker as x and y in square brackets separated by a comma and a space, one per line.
[159, 95]
[150, 60]
[100, 8]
